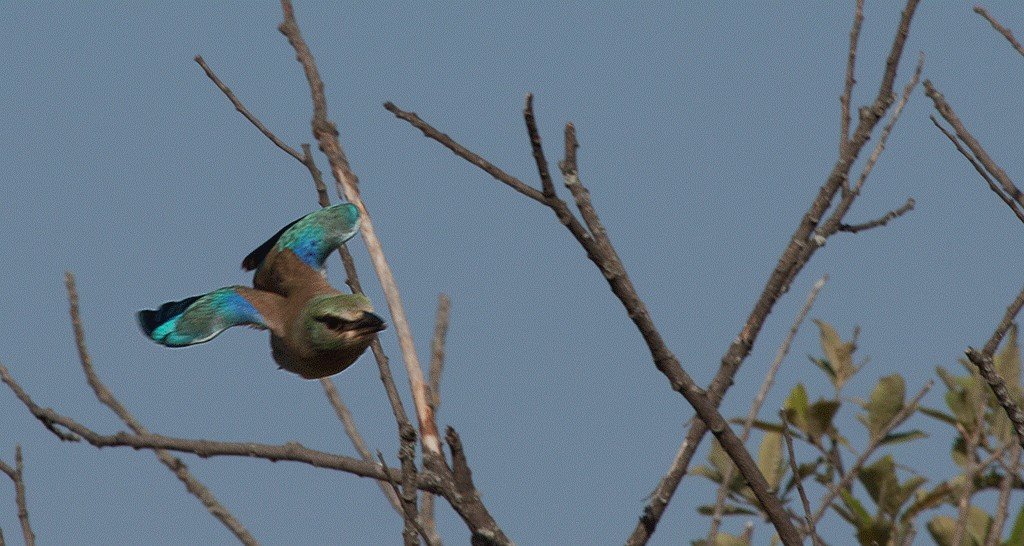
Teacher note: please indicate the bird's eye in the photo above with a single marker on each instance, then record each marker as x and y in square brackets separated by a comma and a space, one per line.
[332, 322]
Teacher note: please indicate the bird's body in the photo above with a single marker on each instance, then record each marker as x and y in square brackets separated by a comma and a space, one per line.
[315, 330]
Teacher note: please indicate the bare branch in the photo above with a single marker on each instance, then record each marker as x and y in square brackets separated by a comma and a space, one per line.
[874, 443]
[798, 252]
[245, 111]
[406, 433]
[408, 513]
[1007, 33]
[175, 465]
[976, 148]
[755, 407]
[437, 354]
[430, 132]
[835, 220]
[17, 475]
[851, 61]
[437, 349]
[326, 134]
[983, 361]
[981, 170]
[1003, 504]
[971, 440]
[879, 222]
[291, 451]
[347, 421]
[811, 530]
[464, 487]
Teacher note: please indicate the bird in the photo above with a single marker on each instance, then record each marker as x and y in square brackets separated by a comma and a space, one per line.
[315, 329]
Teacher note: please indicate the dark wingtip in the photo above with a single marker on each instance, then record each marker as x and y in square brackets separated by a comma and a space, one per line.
[151, 319]
[147, 321]
[256, 257]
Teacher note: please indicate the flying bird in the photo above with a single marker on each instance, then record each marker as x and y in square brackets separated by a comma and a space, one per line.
[315, 329]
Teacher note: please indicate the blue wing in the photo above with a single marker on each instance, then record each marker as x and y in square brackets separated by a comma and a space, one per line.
[200, 318]
[312, 238]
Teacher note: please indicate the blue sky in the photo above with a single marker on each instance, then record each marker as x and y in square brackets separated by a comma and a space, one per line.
[705, 132]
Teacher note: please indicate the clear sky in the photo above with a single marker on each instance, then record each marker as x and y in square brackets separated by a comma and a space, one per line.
[705, 132]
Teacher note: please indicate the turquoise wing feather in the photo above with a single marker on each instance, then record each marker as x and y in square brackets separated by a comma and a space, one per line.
[312, 238]
[200, 318]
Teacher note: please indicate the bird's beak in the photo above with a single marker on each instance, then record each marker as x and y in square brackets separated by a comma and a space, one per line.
[369, 322]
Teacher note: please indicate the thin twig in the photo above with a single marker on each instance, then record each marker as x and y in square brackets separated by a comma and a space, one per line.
[811, 530]
[326, 133]
[1003, 505]
[755, 407]
[245, 111]
[409, 516]
[1007, 33]
[832, 225]
[971, 440]
[874, 443]
[981, 170]
[976, 148]
[430, 132]
[175, 465]
[851, 61]
[882, 221]
[437, 348]
[17, 475]
[349, 423]
[437, 356]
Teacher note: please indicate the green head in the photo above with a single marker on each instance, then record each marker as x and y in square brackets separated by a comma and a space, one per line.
[342, 320]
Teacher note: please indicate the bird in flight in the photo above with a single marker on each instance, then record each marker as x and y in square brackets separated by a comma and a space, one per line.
[315, 329]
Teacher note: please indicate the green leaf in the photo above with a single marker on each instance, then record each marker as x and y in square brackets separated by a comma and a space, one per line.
[908, 489]
[725, 539]
[861, 517]
[938, 415]
[901, 437]
[879, 478]
[942, 529]
[718, 457]
[1007, 360]
[770, 460]
[978, 523]
[763, 425]
[1017, 533]
[926, 500]
[950, 380]
[796, 407]
[825, 366]
[727, 509]
[839, 353]
[820, 415]
[707, 472]
[886, 401]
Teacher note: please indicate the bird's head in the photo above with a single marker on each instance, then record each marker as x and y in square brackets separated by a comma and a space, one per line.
[342, 320]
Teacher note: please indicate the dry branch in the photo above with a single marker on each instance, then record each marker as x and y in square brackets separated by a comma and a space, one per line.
[326, 133]
[798, 252]
[406, 433]
[755, 406]
[594, 240]
[17, 475]
[175, 465]
[1007, 33]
